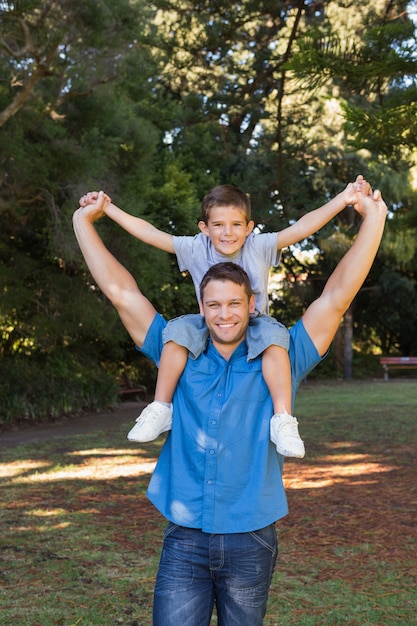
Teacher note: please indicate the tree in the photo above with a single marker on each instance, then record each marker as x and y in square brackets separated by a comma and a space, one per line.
[68, 48]
[375, 75]
[67, 125]
[156, 102]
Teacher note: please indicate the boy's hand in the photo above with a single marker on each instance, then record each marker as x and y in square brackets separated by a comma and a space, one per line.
[354, 190]
[362, 186]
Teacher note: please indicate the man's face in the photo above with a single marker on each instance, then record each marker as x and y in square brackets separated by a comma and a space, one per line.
[227, 229]
[226, 308]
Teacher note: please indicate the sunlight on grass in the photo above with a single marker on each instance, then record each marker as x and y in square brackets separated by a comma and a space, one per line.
[43, 529]
[108, 464]
[47, 512]
[7, 470]
[102, 452]
[326, 472]
[98, 464]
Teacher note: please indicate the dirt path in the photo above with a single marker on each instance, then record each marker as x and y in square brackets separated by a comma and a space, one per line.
[125, 412]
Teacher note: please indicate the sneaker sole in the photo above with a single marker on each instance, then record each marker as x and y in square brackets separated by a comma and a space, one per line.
[147, 439]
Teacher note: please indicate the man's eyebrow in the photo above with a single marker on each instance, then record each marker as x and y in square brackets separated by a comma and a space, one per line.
[213, 301]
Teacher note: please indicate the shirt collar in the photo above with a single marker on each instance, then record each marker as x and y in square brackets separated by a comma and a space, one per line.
[241, 350]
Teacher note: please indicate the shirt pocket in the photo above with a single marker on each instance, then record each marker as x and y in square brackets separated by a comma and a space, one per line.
[247, 384]
[200, 378]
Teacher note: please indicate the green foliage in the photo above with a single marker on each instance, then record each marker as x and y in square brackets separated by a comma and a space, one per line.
[386, 128]
[44, 389]
[158, 102]
[376, 69]
[394, 310]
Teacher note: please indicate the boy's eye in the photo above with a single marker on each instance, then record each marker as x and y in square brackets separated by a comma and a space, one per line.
[220, 225]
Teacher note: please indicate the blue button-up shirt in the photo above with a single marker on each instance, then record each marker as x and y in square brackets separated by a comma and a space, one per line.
[218, 469]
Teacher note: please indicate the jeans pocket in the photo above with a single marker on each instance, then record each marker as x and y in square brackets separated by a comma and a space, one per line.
[267, 537]
[170, 528]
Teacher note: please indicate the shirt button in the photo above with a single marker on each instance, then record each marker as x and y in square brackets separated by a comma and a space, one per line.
[209, 482]
[214, 422]
[211, 451]
[219, 395]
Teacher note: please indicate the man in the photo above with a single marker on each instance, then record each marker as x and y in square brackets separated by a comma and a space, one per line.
[218, 480]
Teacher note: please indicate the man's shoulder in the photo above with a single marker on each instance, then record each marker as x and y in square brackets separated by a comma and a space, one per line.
[302, 352]
[153, 344]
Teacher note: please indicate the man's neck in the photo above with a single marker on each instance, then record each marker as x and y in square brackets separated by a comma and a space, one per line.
[226, 350]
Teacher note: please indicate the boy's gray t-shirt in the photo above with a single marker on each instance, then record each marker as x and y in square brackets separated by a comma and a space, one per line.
[258, 254]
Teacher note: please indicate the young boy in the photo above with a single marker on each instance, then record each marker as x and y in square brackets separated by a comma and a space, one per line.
[226, 235]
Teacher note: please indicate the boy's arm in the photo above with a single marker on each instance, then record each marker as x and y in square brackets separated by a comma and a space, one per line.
[136, 226]
[314, 220]
[135, 311]
[323, 316]
[141, 229]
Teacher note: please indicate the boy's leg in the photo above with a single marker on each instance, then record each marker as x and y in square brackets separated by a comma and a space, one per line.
[276, 371]
[171, 366]
[156, 418]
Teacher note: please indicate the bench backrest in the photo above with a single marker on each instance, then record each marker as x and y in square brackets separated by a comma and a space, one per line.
[398, 360]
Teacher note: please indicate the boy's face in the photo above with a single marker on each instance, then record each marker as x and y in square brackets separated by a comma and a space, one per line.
[227, 229]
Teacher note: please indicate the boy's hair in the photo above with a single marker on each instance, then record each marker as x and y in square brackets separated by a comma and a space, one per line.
[227, 196]
[226, 271]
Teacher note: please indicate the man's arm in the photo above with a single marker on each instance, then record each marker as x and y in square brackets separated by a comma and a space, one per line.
[314, 220]
[323, 316]
[135, 311]
[136, 226]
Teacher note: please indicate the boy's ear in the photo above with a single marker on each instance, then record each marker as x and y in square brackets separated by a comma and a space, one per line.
[203, 227]
[250, 227]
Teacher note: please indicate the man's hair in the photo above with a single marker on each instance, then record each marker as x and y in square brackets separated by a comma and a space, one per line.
[225, 196]
[226, 271]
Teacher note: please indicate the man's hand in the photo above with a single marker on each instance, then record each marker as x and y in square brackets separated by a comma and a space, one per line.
[370, 204]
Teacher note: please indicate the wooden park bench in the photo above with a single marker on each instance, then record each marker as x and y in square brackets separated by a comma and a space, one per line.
[397, 362]
[137, 392]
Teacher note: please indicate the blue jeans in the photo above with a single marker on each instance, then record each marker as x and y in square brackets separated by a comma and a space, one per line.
[198, 570]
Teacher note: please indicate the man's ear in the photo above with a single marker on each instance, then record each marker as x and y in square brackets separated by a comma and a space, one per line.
[200, 304]
[203, 227]
[252, 304]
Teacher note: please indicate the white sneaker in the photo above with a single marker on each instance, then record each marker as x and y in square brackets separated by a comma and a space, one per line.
[284, 434]
[156, 418]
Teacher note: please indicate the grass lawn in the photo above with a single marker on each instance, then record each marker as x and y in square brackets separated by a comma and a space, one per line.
[79, 542]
